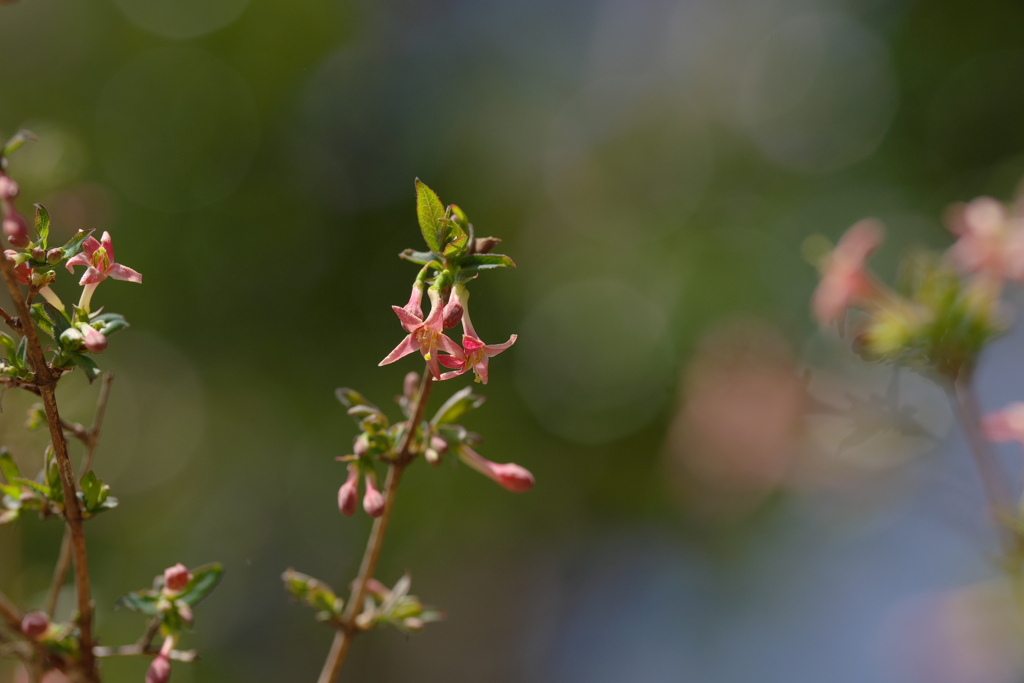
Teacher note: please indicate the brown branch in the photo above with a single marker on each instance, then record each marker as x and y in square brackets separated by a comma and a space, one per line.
[148, 651]
[7, 318]
[45, 380]
[10, 612]
[346, 631]
[90, 437]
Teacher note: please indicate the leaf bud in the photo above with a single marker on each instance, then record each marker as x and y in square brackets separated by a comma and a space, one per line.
[361, 445]
[40, 280]
[16, 230]
[35, 624]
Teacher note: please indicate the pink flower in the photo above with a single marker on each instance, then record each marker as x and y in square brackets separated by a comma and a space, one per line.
[426, 336]
[160, 670]
[989, 239]
[1006, 425]
[844, 280]
[474, 354]
[98, 257]
[16, 229]
[176, 578]
[509, 475]
[22, 271]
[373, 501]
[348, 494]
[95, 340]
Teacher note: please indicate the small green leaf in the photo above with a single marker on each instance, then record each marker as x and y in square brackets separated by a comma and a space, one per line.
[42, 489]
[39, 315]
[420, 257]
[487, 261]
[314, 593]
[112, 322]
[19, 139]
[58, 318]
[42, 224]
[204, 580]
[10, 346]
[457, 247]
[74, 245]
[19, 355]
[431, 215]
[8, 468]
[460, 403]
[88, 365]
[139, 601]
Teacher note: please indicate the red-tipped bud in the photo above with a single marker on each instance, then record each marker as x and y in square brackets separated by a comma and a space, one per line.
[35, 624]
[8, 188]
[373, 501]
[452, 314]
[160, 670]
[177, 577]
[513, 477]
[16, 230]
[95, 340]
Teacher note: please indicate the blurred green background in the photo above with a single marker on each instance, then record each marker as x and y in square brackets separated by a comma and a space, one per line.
[654, 167]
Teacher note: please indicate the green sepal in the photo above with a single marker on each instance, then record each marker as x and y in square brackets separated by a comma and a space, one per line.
[431, 214]
[144, 602]
[42, 224]
[204, 580]
[460, 403]
[8, 468]
[19, 139]
[74, 245]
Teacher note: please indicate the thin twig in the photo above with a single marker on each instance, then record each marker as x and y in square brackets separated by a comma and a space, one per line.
[45, 380]
[346, 632]
[10, 612]
[7, 318]
[90, 437]
[151, 631]
[138, 651]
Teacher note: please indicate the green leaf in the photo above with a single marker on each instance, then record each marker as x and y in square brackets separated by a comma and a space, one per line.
[95, 495]
[460, 403]
[58, 318]
[351, 398]
[19, 139]
[10, 346]
[8, 467]
[140, 601]
[112, 322]
[88, 365]
[19, 355]
[39, 315]
[487, 261]
[42, 489]
[75, 244]
[42, 224]
[431, 215]
[420, 257]
[457, 247]
[314, 593]
[204, 580]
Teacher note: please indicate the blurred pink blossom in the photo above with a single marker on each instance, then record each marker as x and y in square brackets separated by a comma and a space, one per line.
[989, 239]
[1006, 425]
[844, 279]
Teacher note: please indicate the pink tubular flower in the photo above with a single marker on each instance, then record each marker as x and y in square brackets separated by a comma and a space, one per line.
[98, 258]
[426, 336]
[989, 239]
[844, 280]
[1006, 425]
[177, 577]
[95, 340]
[509, 475]
[348, 494]
[474, 353]
[373, 501]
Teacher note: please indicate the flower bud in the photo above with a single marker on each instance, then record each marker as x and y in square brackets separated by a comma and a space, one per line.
[452, 314]
[373, 501]
[16, 230]
[376, 588]
[8, 188]
[54, 256]
[483, 245]
[71, 336]
[348, 498]
[361, 445]
[40, 280]
[160, 670]
[177, 577]
[95, 340]
[35, 624]
[39, 254]
[411, 384]
[513, 477]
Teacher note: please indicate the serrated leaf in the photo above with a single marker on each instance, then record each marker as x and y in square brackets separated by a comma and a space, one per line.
[74, 245]
[420, 257]
[460, 403]
[8, 468]
[42, 224]
[144, 602]
[431, 214]
[204, 580]
[19, 139]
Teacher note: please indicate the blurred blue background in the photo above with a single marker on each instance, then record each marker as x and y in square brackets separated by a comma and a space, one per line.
[723, 494]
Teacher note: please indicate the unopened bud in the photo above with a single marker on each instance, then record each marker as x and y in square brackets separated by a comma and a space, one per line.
[373, 501]
[513, 477]
[71, 336]
[40, 280]
[361, 445]
[35, 624]
[95, 340]
[432, 457]
[377, 588]
[439, 444]
[452, 314]
[177, 577]
[54, 256]
[483, 245]
[8, 188]
[39, 254]
[411, 384]
[160, 670]
[348, 498]
[16, 230]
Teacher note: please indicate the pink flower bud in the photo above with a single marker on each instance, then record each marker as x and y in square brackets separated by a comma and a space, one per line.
[95, 340]
[54, 256]
[348, 498]
[373, 501]
[513, 477]
[361, 445]
[452, 315]
[177, 577]
[35, 624]
[160, 670]
[377, 588]
[16, 230]
[8, 188]
[39, 254]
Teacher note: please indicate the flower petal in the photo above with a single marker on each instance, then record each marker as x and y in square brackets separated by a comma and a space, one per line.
[79, 259]
[119, 272]
[495, 349]
[92, 276]
[107, 245]
[409, 320]
[408, 345]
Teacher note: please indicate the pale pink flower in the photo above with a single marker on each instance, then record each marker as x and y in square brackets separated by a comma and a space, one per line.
[989, 239]
[177, 577]
[474, 352]
[509, 475]
[98, 258]
[373, 501]
[1006, 425]
[844, 280]
[95, 340]
[426, 336]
